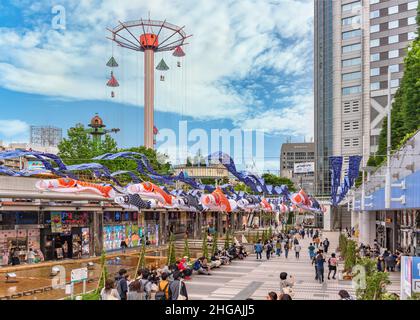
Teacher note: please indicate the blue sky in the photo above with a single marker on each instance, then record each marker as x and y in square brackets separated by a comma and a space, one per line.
[248, 66]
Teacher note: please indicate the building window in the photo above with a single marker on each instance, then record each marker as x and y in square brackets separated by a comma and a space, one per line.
[351, 90]
[393, 24]
[374, 57]
[395, 83]
[393, 10]
[351, 6]
[351, 48]
[393, 54]
[350, 20]
[374, 72]
[374, 14]
[374, 43]
[351, 62]
[352, 76]
[374, 86]
[346, 107]
[411, 20]
[394, 68]
[355, 142]
[374, 28]
[412, 5]
[393, 39]
[347, 142]
[373, 1]
[351, 34]
[346, 126]
[355, 105]
[411, 36]
[355, 125]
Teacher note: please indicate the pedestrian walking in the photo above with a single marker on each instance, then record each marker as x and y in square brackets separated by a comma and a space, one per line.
[123, 246]
[311, 250]
[122, 283]
[297, 250]
[332, 266]
[268, 249]
[326, 245]
[286, 249]
[258, 247]
[278, 248]
[31, 256]
[177, 288]
[320, 261]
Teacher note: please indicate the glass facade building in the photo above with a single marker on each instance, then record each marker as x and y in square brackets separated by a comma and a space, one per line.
[323, 93]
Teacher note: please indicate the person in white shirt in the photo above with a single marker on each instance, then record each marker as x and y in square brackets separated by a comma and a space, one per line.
[109, 292]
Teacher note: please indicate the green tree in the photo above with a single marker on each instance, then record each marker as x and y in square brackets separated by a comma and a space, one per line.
[274, 180]
[171, 250]
[405, 112]
[242, 187]
[104, 273]
[142, 257]
[205, 248]
[214, 246]
[186, 249]
[79, 147]
[227, 240]
[350, 259]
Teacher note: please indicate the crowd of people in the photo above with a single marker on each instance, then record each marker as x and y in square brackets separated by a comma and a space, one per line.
[386, 260]
[167, 283]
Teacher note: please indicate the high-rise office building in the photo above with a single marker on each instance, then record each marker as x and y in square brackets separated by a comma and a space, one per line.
[297, 164]
[355, 44]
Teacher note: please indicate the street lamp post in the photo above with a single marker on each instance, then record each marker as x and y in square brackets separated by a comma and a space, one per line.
[388, 148]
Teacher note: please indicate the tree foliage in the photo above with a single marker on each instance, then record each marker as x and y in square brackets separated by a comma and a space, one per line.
[405, 112]
[171, 250]
[274, 180]
[186, 252]
[214, 246]
[205, 248]
[79, 147]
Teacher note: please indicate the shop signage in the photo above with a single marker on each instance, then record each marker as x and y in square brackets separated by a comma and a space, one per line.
[304, 167]
[415, 273]
[56, 224]
[78, 275]
[35, 165]
[73, 218]
[406, 276]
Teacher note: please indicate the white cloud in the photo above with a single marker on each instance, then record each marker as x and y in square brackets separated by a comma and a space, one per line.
[231, 40]
[14, 130]
[296, 119]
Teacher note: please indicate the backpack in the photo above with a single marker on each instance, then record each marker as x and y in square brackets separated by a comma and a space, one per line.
[161, 294]
[196, 265]
[119, 289]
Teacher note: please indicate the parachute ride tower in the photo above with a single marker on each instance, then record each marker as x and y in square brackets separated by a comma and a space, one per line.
[149, 36]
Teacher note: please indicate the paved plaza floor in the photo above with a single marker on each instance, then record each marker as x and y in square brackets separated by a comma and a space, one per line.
[251, 278]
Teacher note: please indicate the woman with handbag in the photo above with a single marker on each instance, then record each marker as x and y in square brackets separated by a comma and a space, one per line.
[177, 288]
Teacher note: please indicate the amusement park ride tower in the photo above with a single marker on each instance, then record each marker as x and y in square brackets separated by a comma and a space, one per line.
[97, 129]
[149, 36]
